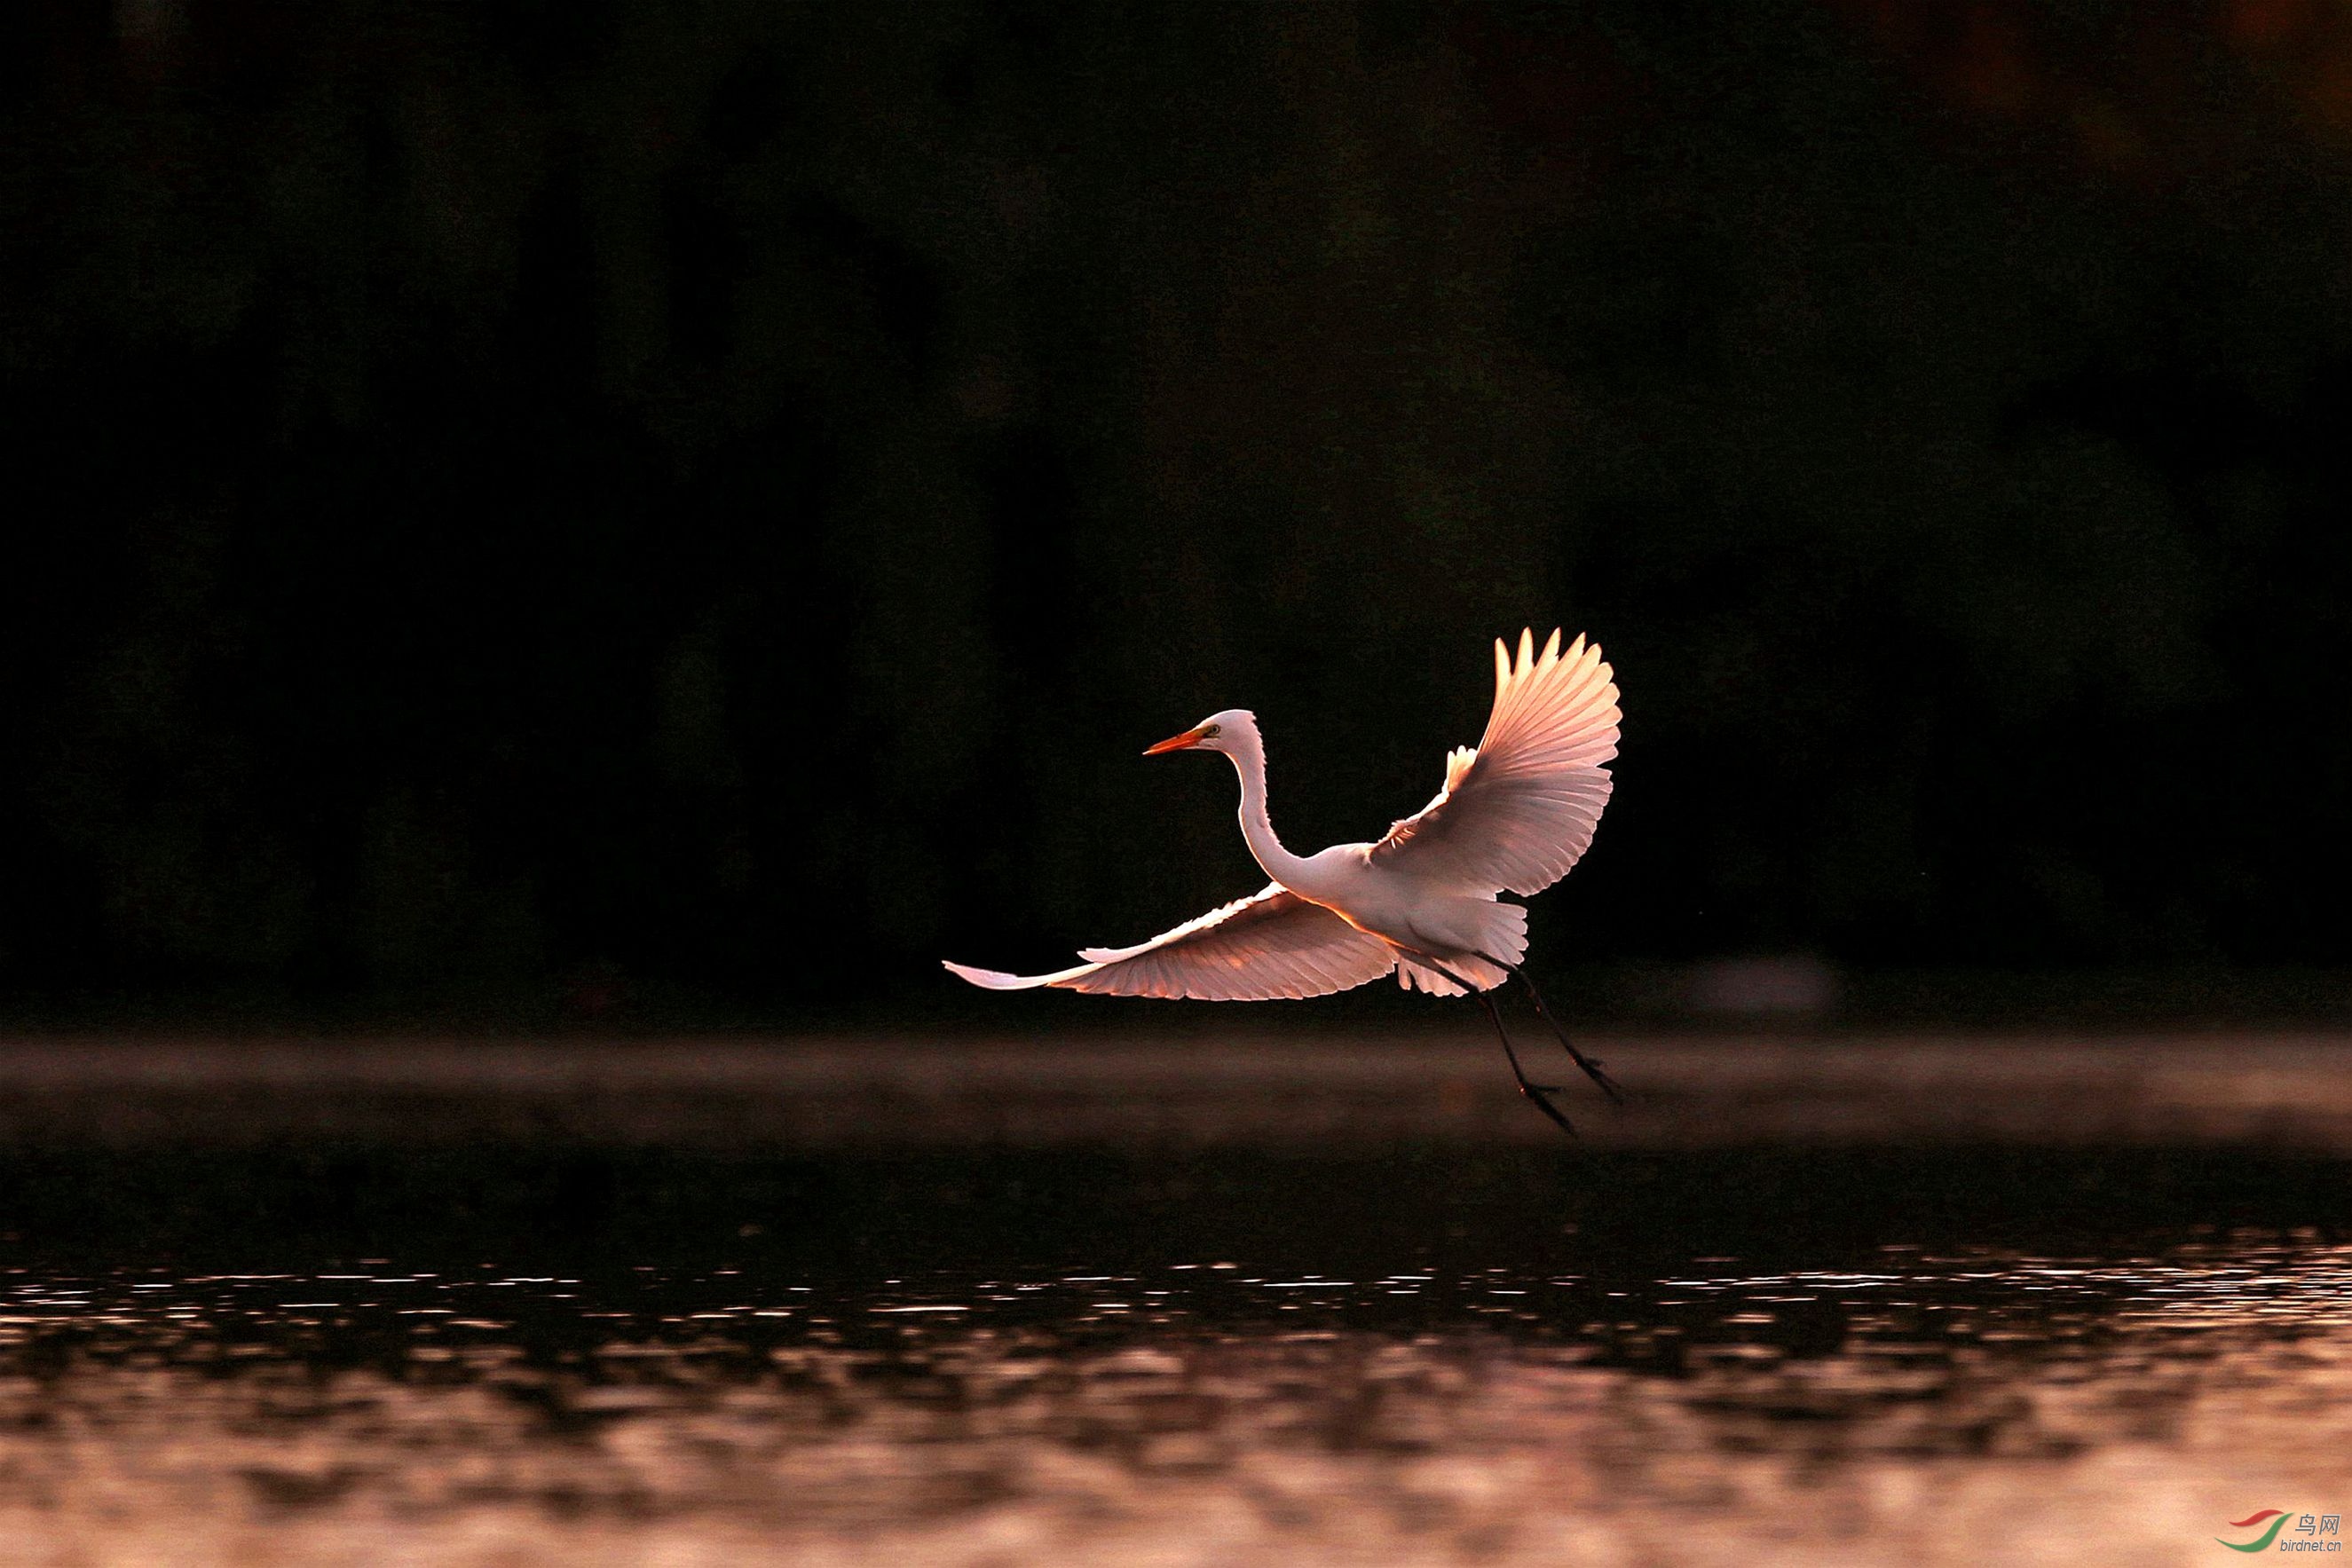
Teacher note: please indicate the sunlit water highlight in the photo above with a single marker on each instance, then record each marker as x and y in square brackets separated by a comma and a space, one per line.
[1945, 1302]
[1940, 1407]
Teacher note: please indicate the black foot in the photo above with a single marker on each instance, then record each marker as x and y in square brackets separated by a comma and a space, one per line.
[1591, 1064]
[1539, 1096]
[1538, 1093]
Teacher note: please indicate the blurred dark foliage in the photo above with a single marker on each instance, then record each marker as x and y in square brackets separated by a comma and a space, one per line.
[531, 499]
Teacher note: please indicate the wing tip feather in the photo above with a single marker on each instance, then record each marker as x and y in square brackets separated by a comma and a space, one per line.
[995, 980]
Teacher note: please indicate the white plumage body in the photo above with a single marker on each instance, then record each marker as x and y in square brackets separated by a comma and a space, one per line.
[1515, 814]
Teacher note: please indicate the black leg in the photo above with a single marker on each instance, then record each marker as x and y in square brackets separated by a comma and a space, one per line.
[1591, 1064]
[1540, 1094]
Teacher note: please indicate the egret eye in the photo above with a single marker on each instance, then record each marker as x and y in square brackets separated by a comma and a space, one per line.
[1209, 731]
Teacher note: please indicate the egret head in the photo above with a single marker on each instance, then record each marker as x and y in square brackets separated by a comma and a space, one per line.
[1218, 732]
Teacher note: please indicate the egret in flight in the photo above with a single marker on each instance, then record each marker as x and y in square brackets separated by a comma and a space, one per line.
[1516, 812]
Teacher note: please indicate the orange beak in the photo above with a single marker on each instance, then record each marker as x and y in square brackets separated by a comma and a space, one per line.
[1190, 738]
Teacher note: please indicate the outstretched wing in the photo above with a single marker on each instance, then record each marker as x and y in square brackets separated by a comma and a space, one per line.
[1254, 949]
[1518, 811]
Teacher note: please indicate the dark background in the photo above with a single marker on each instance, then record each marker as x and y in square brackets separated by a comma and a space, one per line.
[690, 512]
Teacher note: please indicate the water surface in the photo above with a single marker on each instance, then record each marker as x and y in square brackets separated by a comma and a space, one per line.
[358, 1344]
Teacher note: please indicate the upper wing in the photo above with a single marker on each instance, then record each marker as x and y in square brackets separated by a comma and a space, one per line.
[1254, 949]
[1519, 811]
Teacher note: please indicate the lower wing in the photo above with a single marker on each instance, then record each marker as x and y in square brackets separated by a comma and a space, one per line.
[1276, 944]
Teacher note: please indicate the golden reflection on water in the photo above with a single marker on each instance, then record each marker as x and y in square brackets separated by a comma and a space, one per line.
[1962, 1408]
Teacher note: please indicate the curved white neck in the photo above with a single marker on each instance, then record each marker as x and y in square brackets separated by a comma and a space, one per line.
[1248, 754]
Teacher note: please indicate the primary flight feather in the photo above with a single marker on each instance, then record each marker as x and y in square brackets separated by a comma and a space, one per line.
[1516, 812]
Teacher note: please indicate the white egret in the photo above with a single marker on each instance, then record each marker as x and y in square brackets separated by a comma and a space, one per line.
[1516, 812]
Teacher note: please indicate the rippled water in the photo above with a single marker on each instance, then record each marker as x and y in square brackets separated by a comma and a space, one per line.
[375, 1353]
